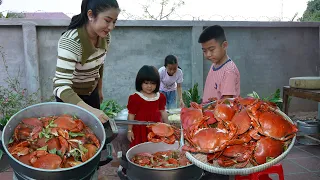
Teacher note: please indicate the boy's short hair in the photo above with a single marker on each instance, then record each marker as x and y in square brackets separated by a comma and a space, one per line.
[215, 32]
[147, 73]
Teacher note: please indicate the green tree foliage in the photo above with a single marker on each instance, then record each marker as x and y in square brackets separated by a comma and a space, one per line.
[312, 13]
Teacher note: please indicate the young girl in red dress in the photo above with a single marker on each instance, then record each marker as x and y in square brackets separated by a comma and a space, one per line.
[147, 104]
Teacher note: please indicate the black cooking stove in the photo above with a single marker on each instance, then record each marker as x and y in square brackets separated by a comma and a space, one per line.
[206, 175]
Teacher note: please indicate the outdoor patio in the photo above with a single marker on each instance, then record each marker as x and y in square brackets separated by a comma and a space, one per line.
[303, 162]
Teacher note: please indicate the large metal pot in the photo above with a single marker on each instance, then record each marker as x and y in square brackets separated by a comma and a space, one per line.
[105, 133]
[136, 172]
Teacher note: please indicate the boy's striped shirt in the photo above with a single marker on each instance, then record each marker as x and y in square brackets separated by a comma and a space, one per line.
[79, 65]
[224, 80]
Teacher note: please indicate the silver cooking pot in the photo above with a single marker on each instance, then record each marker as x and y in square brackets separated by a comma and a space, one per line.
[105, 133]
[136, 172]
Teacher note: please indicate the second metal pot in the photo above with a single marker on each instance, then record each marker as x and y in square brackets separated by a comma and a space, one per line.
[136, 172]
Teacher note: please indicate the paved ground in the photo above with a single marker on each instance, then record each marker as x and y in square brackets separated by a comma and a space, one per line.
[302, 163]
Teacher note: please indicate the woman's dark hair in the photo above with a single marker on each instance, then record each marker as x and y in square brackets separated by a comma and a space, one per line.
[170, 59]
[96, 6]
[148, 73]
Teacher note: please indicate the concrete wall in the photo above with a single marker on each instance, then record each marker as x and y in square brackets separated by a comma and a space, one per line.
[266, 53]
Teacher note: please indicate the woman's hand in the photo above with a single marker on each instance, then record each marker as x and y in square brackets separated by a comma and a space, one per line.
[97, 112]
[100, 114]
[130, 135]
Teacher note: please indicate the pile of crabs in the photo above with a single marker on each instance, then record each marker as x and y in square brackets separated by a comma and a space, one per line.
[53, 142]
[238, 132]
[161, 159]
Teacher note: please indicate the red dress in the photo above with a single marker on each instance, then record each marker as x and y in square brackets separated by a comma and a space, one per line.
[144, 109]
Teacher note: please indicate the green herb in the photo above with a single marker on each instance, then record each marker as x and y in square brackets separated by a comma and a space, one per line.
[268, 159]
[75, 117]
[83, 149]
[46, 132]
[44, 148]
[53, 151]
[111, 108]
[274, 98]
[59, 153]
[191, 95]
[73, 134]
[11, 140]
[51, 124]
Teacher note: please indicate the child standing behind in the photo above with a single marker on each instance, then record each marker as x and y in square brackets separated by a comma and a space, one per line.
[147, 104]
[223, 80]
[171, 77]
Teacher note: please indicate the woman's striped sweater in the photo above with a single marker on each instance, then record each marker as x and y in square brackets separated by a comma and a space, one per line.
[79, 65]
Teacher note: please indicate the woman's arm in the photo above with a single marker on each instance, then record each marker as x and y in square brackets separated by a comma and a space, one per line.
[100, 82]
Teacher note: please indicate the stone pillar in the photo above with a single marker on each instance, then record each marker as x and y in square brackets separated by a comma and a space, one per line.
[31, 59]
[197, 59]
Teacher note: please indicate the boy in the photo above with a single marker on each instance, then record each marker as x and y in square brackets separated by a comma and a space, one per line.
[223, 80]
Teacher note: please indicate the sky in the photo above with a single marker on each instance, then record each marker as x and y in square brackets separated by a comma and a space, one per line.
[204, 9]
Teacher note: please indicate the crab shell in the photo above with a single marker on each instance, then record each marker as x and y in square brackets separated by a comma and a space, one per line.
[267, 148]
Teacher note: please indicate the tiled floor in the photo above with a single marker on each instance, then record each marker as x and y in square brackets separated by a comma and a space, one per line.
[302, 163]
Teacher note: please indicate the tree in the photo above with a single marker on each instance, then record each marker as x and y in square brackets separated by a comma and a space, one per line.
[156, 9]
[161, 9]
[312, 13]
[12, 15]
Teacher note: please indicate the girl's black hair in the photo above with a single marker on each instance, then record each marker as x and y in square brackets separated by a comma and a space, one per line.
[170, 59]
[96, 6]
[148, 73]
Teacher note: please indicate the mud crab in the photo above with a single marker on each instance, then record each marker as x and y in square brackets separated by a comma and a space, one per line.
[268, 123]
[236, 154]
[210, 140]
[162, 132]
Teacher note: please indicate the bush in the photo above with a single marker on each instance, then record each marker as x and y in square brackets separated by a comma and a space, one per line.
[13, 97]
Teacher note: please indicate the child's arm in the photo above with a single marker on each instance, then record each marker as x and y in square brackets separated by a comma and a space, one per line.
[162, 108]
[130, 134]
[164, 116]
[179, 89]
[130, 117]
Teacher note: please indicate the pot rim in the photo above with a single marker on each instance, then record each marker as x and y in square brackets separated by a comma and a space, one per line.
[158, 169]
[59, 169]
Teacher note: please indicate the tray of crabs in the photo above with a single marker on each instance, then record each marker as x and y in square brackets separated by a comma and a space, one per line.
[237, 136]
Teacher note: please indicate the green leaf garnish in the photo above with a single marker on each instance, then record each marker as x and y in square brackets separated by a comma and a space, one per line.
[83, 149]
[268, 159]
[11, 140]
[53, 151]
[44, 148]
[72, 134]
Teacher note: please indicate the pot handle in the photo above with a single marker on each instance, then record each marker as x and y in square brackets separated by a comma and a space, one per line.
[121, 174]
[123, 160]
[109, 156]
[111, 130]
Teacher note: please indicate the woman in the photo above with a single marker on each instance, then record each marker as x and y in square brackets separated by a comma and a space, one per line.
[171, 77]
[81, 53]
